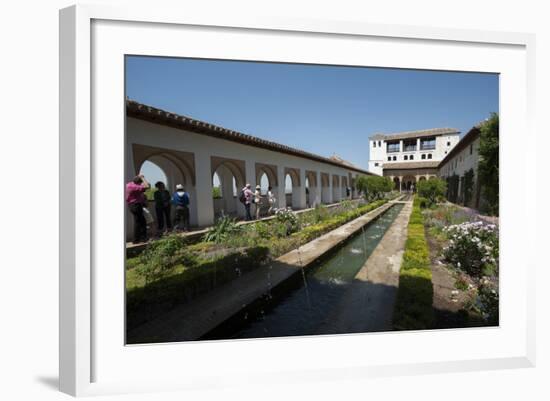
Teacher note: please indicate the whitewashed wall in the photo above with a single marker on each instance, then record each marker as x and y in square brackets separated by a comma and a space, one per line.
[378, 154]
[204, 147]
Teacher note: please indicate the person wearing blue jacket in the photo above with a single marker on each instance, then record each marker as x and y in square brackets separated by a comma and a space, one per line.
[180, 200]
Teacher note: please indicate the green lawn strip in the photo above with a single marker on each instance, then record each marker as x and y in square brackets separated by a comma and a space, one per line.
[413, 308]
[182, 283]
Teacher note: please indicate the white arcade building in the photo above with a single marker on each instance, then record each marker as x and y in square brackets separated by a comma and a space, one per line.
[190, 152]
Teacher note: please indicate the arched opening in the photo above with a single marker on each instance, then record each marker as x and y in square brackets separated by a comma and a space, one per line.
[409, 183]
[154, 173]
[353, 189]
[168, 168]
[308, 192]
[288, 190]
[230, 174]
[396, 183]
[294, 192]
[177, 168]
[264, 183]
[266, 176]
[345, 190]
[336, 191]
[313, 195]
[422, 178]
[216, 186]
[325, 189]
[224, 191]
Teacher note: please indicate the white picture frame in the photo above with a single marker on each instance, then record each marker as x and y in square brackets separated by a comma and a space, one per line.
[88, 366]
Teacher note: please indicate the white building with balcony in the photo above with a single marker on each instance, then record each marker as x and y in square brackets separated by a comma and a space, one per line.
[407, 157]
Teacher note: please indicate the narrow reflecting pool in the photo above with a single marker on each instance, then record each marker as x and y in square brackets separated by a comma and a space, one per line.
[305, 309]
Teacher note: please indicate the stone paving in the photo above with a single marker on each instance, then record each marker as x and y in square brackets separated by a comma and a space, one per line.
[368, 305]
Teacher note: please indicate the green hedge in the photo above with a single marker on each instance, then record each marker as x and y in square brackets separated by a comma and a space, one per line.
[413, 308]
[314, 231]
[145, 302]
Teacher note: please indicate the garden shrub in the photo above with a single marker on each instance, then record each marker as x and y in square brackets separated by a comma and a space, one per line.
[413, 307]
[488, 299]
[374, 187]
[346, 205]
[288, 219]
[473, 247]
[263, 230]
[432, 190]
[320, 213]
[223, 227]
[160, 256]
[423, 202]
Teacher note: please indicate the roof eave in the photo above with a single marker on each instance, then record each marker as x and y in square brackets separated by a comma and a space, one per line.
[158, 116]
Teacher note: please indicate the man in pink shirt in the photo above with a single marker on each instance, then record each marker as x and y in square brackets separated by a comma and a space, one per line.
[136, 200]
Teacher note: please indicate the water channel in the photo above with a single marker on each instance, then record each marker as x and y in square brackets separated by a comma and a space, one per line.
[307, 308]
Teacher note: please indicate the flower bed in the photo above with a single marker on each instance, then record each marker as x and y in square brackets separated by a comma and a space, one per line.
[469, 249]
[473, 247]
[413, 307]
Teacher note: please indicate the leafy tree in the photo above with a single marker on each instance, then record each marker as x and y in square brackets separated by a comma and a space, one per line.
[373, 187]
[432, 189]
[488, 162]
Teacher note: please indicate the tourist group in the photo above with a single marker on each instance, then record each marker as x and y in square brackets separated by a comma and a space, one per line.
[136, 200]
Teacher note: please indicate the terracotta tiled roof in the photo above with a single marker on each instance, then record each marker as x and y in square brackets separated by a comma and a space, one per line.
[410, 165]
[158, 116]
[415, 134]
[338, 159]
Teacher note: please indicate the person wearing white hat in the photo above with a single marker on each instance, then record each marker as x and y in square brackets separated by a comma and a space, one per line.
[258, 201]
[181, 200]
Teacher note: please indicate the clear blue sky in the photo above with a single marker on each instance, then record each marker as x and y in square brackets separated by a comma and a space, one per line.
[320, 109]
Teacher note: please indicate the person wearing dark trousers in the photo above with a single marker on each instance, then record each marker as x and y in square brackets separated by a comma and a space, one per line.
[247, 198]
[180, 199]
[136, 201]
[162, 207]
